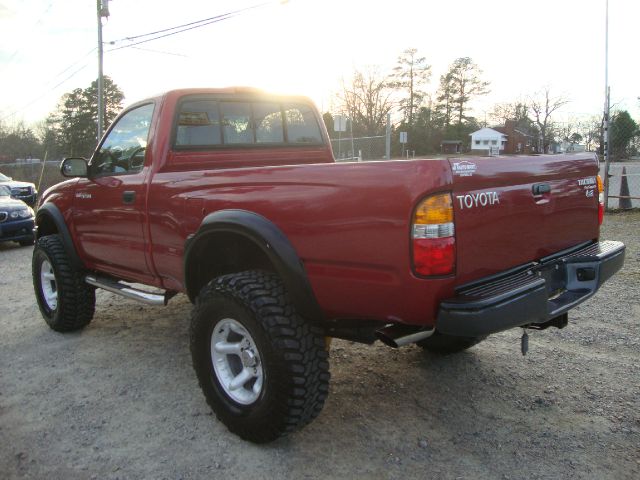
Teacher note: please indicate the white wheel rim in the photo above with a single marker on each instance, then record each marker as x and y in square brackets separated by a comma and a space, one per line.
[236, 361]
[48, 285]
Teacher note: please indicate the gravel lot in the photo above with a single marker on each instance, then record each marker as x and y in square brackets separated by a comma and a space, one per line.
[120, 400]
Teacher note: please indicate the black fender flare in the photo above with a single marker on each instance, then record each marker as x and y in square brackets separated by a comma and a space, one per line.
[51, 212]
[265, 235]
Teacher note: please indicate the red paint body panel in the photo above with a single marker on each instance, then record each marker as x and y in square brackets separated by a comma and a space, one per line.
[522, 227]
[350, 223]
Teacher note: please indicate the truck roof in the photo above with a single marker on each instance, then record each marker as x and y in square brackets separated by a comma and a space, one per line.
[238, 90]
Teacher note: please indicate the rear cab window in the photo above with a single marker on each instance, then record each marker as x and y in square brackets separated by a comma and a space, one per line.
[208, 123]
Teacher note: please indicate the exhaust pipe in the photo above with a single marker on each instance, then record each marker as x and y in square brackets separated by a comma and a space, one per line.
[399, 335]
[128, 291]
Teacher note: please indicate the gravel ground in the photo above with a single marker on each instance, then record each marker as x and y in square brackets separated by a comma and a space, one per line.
[120, 400]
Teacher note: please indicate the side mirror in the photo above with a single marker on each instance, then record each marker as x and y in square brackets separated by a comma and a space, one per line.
[74, 167]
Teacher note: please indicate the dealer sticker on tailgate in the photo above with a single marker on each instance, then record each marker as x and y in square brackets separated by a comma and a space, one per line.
[464, 168]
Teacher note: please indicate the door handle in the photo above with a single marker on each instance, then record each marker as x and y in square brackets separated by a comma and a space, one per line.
[541, 188]
[128, 197]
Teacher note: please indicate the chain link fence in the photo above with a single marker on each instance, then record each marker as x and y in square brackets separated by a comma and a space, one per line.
[624, 161]
[587, 133]
[34, 173]
[358, 149]
[624, 184]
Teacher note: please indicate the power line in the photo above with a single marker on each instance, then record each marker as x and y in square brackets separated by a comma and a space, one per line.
[183, 28]
[24, 107]
[160, 52]
[52, 79]
[70, 66]
[172, 33]
[188, 24]
[19, 49]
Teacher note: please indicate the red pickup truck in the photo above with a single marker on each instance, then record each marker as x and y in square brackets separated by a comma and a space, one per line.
[232, 196]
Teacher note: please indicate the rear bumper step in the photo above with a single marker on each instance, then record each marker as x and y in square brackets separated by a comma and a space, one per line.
[534, 295]
[128, 291]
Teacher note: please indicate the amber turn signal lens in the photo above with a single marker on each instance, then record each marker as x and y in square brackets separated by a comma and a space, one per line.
[600, 200]
[436, 209]
[433, 234]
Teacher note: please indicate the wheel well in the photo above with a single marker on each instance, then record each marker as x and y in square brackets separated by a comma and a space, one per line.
[46, 226]
[220, 254]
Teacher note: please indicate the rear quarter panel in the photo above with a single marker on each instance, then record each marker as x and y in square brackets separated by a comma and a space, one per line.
[349, 224]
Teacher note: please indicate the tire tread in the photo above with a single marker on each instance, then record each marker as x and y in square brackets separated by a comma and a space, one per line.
[300, 345]
[76, 299]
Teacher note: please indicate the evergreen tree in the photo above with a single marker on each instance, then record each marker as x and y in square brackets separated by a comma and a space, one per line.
[464, 78]
[411, 74]
[622, 131]
[71, 130]
[445, 100]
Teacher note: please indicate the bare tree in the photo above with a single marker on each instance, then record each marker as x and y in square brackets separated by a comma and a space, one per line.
[411, 73]
[591, 131]
[517, 110]
[367, 99]
[542, 105]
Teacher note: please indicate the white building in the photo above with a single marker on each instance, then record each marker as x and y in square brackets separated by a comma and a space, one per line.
[487, 140]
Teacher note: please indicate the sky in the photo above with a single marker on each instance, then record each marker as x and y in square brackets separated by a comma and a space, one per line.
[49, 47]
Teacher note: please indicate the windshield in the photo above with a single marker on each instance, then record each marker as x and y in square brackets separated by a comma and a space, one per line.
[4, 178]
[4, 191]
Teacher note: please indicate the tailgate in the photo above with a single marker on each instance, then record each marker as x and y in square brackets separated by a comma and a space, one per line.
[513, 210]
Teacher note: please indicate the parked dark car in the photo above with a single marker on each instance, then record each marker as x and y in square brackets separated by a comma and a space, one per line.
[16, 219]
[24, 191]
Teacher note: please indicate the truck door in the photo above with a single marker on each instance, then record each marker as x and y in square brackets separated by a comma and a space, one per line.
[110, 205]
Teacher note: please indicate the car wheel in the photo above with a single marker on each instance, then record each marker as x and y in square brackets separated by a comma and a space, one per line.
[263, 369]
[444, 344]
[66, 302]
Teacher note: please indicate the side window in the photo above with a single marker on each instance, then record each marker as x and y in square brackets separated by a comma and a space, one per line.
[268, 122]
[123, 150]
[199, 124]
[236, 121]
[302, 126]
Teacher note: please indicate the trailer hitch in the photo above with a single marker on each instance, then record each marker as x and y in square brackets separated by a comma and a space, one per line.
[559, 322]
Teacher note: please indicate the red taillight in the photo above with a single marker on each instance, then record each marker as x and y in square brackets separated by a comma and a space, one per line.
[434, 243]
[600, 200]
[434, 256]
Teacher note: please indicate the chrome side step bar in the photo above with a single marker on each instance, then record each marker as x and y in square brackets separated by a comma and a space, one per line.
[128, 291]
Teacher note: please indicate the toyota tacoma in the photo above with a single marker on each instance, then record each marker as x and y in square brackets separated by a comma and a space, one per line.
[232, 197]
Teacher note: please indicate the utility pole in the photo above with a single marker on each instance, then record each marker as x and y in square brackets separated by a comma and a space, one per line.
[607, 108]
[103, 11]
[387, 146]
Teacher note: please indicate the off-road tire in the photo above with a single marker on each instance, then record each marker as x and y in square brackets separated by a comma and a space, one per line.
[291, 350]
[76, 299]
[445, 344]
